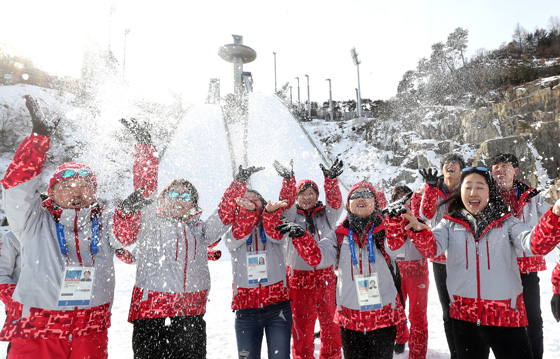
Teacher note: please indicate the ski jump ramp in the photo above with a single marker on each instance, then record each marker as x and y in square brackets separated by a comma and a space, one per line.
[199, 151]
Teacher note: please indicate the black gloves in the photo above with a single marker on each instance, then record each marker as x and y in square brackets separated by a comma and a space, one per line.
[284, 171]
[555, 306]
[139, 131]
[294, 230]
[134, 202]
[334, 171]
[430, 176]
[40, 125]
[397, 208]
[245, 173]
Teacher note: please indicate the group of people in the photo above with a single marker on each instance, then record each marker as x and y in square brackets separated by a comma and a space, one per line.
[293, 260]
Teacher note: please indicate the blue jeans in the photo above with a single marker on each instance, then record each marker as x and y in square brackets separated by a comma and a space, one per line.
[275, 320]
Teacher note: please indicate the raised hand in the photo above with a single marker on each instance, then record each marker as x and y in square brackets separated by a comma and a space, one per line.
[139, 131]
[413, 222]
[244, 174]
[430, 176]
[397, 208]
[556, 208]
[334, 171]
[292, 229]
[40, 124]
[135, 201]
[283, 171]
[273, 206]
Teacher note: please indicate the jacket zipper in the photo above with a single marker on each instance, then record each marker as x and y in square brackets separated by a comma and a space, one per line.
[478, 283]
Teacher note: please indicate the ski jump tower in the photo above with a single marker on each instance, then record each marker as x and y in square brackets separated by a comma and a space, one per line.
[239, 54]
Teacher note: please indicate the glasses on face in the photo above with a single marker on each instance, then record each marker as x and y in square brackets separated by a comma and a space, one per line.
[482, 169]
[361, 194]
[74, 172]
[176, 195]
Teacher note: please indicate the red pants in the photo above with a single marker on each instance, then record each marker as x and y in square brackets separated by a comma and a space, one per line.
[91, 346]
[307, 306]
[415, 287]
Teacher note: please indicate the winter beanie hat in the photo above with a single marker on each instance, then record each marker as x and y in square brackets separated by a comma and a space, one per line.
[304, 184]
[70, 170]
[453, 157]
[362, 184]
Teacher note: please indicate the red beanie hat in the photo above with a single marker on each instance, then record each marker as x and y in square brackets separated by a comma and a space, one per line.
[361, 184]
[60, 173]
[304, 184]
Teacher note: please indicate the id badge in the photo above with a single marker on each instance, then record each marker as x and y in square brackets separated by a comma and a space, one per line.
[256, 268]
[368, 292]
[77, 286]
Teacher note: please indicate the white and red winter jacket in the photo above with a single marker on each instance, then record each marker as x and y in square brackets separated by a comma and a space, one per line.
[35, 312]
[249, 225]
[530, 208]
[483, 279]
[335, 247]
[324, 218]
[172, 275]
[430, 211]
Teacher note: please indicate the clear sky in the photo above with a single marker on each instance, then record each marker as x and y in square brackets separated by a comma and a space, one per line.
[172, 45]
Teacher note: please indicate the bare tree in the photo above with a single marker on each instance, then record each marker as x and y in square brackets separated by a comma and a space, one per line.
[520, 36]
[554, 25]
[457, 43]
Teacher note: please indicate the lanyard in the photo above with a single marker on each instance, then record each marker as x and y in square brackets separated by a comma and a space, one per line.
[370, 246]
[94, 236]
[263, 237]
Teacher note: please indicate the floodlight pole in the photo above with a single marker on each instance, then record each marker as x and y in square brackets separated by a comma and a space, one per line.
[359, 94]
[275, 87]
[330, 98]
[308, 99]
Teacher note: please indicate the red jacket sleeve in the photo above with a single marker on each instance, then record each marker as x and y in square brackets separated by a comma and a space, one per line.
[126, 226]
[546, 234]
[145, 168]
[227, 207]
[308, 249]
[288, 191]
[395, 232]
[244, 222]
[28, 161]
[6, 292]
[125, 256]
[415, 202]
[425, 242]
[271, 220]
[556, 279]
[429, 201]
[332, 193]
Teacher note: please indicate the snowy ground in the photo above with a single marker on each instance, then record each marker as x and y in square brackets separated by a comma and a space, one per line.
[220, 318]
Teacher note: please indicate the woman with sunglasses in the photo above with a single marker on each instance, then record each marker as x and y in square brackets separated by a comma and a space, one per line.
[172, 276]
[481, 237]
[312, 290]
[368, 303]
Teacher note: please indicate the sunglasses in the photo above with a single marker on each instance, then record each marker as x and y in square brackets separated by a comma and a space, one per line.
[71, 173]
[482, 169]
[361, 194]
[176, 195]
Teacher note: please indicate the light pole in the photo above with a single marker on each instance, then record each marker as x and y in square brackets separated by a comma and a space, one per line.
[275, 88]
[357, 98]
[330, 98]
[357, 63]
[298, 100]
[308, 99]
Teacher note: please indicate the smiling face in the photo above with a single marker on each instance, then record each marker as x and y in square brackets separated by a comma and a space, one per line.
[361, 207]
[176, 207]
[451, 171]
[73, 193]
[503, 173]
[475, 193]
[307, 199]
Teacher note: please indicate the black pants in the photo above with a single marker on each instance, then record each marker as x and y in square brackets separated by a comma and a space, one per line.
[474, 341]
[181, 338]
[532, 299]
[440, 276]
[378, 344]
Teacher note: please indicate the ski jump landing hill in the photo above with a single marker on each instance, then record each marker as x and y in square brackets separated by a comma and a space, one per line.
[199, 151]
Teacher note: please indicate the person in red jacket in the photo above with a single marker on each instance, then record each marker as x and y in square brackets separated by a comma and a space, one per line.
[172, 277]
[528, 205]
[481, 238]
[415, 283]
